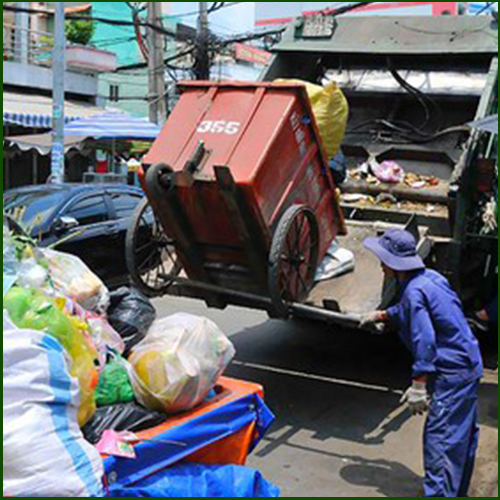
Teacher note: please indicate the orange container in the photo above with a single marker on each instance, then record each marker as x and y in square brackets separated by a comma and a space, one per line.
[221, 431]
[240, 155]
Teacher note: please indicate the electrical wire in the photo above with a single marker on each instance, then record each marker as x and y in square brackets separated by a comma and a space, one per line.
[104, 20]
[485, 8]
[404, 129]
[166, 61]
[113, 41]
[197, 12]
[332, 11]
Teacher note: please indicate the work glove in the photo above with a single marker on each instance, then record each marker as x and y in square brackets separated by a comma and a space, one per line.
[417, 398]
[372, 321]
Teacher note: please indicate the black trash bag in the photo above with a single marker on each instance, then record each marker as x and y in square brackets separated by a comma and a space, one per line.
[131, 314]
[121, 417]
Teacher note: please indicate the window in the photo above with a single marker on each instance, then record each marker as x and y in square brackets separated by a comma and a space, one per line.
[125, 204]
[33, 208]
[114, 93]
[89, 211]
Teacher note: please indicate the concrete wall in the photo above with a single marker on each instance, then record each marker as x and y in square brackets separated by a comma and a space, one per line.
[40, 78]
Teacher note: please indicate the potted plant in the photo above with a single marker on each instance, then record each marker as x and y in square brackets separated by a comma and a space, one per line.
[80, 32]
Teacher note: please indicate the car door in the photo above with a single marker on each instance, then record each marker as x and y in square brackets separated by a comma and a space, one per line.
[91, 239]
[123, 204]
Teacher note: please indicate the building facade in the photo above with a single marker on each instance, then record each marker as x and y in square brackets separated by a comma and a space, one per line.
[27, 88]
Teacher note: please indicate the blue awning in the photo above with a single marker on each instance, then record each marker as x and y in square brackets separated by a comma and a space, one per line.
[35, 111]
[113, 125]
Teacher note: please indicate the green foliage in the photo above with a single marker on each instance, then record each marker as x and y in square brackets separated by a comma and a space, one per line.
[80, 32]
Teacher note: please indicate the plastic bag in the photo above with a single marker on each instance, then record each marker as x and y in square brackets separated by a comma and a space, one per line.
[32, 274]
[10, 263]
[122, 417]
[387, 171]
[105, 337]
[331, 110]
[337, 262]
[72, 277]
[131, 314]
[114, 384]
[44, 452]
[179, 362]
[200, 481]
[35, 311]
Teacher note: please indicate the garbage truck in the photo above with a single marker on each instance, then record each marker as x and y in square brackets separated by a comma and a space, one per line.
[414, 86]
[242, 205]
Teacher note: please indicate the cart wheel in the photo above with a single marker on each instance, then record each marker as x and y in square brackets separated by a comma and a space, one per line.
[294, 258]
[151, 257]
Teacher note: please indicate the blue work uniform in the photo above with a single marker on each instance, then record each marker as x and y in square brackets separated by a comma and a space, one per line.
[433, 326]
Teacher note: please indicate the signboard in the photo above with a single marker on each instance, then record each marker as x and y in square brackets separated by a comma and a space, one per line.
[251, 54]
[318, 26]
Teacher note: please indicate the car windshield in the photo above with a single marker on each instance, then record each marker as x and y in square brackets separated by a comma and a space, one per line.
[32, 209]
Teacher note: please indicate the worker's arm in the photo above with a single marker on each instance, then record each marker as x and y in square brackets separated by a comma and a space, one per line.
[423, 336]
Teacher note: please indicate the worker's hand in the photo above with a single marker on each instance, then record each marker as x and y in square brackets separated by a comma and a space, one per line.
[373, 321]
[417, 398]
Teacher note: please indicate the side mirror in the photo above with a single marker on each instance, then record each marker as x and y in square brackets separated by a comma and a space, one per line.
[64, 224]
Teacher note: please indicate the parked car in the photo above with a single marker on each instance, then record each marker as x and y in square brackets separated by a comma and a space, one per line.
[86, 220]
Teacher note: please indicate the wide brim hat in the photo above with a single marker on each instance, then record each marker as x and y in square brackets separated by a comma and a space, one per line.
[407, 260]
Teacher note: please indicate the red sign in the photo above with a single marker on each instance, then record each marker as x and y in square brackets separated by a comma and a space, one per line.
[382, 8]
[251, 54]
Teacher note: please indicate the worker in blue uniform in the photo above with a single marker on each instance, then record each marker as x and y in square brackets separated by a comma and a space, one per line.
[447, 365]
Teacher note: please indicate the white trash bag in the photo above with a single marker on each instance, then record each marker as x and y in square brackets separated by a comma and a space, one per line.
[72, 276]
[337, 262]
[44, 451]
[179, 362]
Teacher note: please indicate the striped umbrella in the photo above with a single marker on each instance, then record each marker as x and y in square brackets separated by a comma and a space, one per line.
[113, 125]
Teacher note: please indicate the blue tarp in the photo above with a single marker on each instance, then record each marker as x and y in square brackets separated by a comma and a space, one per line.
[201, 481]
[177, 443]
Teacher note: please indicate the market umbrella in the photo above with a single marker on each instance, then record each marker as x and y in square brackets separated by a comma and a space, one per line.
[114, 126]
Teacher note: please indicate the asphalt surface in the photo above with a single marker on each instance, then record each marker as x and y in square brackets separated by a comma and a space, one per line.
[339, 431]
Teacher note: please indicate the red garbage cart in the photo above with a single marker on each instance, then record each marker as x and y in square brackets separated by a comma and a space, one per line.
[241, 208]
[241, 194]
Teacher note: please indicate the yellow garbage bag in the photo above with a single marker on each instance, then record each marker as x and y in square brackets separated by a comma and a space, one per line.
[331, 110]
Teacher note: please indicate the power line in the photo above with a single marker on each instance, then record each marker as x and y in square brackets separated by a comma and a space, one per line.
[485, 8]
[166, 61]
[104, 20]
[333, 11]
[195, 13]
[113, 41]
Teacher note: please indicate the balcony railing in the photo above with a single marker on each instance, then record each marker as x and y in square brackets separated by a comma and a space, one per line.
[33, 47]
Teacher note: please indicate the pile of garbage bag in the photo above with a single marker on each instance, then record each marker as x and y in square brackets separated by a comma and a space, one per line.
[45, 453]
[80, 361]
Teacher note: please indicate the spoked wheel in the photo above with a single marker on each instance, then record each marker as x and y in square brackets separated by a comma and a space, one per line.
[293, 258]
[151, 257]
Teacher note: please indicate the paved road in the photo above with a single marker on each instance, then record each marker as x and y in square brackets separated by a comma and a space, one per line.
[339, 431]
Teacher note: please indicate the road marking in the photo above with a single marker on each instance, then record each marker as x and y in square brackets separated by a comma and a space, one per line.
[319, 378]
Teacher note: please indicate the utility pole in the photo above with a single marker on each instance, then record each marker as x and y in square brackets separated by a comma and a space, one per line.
[58, 71]
[156, 65]
[21, 40]
[202, 55]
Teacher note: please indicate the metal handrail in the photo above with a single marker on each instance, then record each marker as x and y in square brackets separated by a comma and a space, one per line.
[39, 45]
